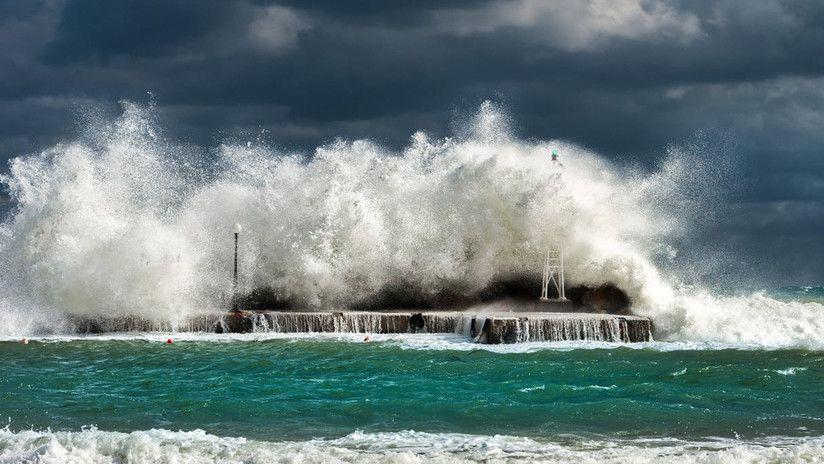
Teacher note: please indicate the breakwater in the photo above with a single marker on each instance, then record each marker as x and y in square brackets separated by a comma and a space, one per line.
[494, 328]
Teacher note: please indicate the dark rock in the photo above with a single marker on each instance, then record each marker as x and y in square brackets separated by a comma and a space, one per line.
[519, 287]
[238, 322]
[607, 299]
[264, 299]
[403, 295]
[416, 322]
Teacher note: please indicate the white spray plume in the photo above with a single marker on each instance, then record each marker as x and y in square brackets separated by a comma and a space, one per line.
[124, 225]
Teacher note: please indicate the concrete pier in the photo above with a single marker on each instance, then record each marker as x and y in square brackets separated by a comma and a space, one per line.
[540, 327]
[494, 328]
[483, 327]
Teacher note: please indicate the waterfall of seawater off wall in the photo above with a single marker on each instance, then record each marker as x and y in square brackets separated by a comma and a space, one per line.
[122, 223]
[508, 328]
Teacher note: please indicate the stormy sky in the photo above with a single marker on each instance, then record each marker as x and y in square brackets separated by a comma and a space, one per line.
[623, 77]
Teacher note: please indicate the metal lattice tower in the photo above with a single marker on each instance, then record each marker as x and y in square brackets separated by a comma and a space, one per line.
[553, 272]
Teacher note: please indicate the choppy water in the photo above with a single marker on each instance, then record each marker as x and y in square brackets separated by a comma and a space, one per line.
[121, 222]
[403, 397]
[802, 293]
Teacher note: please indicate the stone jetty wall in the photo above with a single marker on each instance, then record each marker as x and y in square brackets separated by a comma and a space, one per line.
[501, 327]
[484, 328]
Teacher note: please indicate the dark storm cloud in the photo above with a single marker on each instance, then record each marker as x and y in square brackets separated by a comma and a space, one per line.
[376, 12]
[625, 78]
[95, 29]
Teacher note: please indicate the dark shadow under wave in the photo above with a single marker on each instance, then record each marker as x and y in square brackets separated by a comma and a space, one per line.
[519, 290]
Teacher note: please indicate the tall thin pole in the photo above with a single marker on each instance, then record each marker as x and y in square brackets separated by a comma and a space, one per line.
[234, 283]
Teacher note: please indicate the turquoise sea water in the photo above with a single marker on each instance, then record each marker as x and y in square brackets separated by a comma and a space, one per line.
[312, 390]
[260, 398]
[800, 293]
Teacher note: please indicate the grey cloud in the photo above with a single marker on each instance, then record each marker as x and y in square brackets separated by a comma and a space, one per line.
[304, 72]
[277, 27]
[99, 30]
[575, 26]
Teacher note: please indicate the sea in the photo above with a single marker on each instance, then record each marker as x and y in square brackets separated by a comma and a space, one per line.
[121, 222]
[255, 398]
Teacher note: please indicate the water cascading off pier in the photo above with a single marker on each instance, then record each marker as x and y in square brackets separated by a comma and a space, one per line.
[510, 327]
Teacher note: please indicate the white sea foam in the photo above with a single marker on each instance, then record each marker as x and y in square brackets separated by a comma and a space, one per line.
[121, 223]
[423, 342]
[791, 370]
[153, 446]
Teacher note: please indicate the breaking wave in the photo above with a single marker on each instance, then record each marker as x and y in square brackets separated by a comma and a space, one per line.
[121, 222]
[91, 445]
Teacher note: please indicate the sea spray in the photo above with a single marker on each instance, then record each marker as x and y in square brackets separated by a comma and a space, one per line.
[196, 446]
[123, 223]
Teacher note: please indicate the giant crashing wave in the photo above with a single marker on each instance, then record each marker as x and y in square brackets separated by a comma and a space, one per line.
[122, 222]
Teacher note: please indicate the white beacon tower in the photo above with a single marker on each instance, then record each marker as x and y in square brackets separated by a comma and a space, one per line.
[554, 259]
[554, 273]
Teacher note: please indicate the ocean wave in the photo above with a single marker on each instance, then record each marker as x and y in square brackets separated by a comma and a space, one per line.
[153, 446]
[123, 223]
[790, 370]
[421, 342]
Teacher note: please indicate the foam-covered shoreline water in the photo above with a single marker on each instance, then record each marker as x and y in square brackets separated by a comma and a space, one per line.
[425, 342]
[258, 398]
[121, 222]
[294, 389]
[157, 445]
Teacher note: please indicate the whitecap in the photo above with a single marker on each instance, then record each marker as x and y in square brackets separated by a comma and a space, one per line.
[197, 446]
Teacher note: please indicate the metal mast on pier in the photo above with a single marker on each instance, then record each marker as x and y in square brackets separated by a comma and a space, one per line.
[554, 257]
[553, 272]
